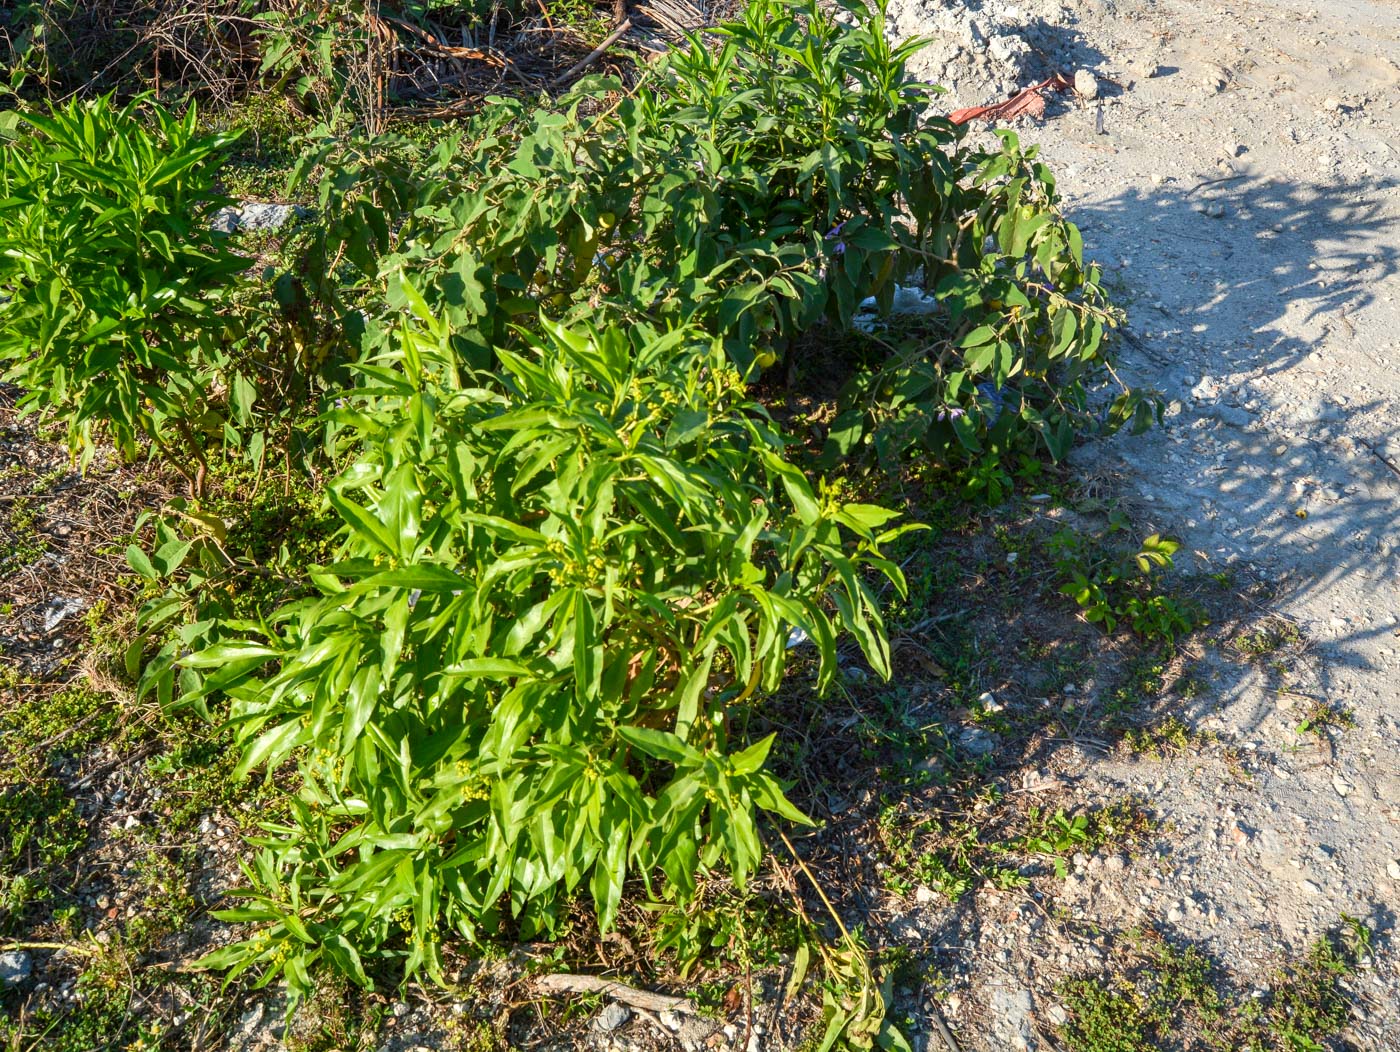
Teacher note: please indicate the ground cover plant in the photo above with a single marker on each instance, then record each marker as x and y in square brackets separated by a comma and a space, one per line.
[1168, 990]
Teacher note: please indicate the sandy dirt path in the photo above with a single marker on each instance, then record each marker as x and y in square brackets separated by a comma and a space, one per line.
[1241, 185]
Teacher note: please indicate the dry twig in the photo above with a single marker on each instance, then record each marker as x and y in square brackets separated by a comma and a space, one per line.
[593, 55]
[566, 983]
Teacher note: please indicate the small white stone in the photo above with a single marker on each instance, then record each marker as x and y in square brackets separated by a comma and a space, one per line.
[1086, 84]
[1393, 868]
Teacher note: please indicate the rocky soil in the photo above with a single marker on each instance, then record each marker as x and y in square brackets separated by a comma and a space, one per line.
[1238, 176]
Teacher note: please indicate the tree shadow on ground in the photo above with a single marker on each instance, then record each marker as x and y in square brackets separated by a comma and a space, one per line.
[1303, 486]
[1289, 498]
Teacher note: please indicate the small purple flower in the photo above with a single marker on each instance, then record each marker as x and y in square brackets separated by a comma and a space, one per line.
[839, 248]
[414, 596]
[951, 413]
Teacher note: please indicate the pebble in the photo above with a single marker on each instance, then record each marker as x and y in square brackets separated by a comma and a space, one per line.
[1206, 390]
[1340, 784]
[15, 968]
[613, 1017]
[1214, 78]
[1229, 414]
[1086, 84]
[976, 740]
[1393, 868]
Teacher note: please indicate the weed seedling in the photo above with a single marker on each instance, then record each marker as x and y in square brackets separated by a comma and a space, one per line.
[1322, 719]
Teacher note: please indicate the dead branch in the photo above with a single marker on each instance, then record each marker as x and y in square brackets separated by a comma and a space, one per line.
[593, 55]
[565, 983]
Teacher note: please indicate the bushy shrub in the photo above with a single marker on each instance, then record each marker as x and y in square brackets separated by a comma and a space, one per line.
[114, 279]
[573, 550]
[758, 189]
[556, 598]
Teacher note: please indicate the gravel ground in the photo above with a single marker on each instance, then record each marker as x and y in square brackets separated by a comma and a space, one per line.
[1239, 178]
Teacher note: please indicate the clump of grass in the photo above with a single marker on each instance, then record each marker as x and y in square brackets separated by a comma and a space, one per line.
[1166, 996]
[1273, 635]
[1167, 737]
[1322, 719]
[21, 544]
[40, 828]
[1121, 824]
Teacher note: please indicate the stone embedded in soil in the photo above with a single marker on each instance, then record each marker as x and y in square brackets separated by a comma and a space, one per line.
[1229, 414]
[1206, 390]
[976, 740]
[15, 968]
[613, 1017]
[1012, 1019]
[253, 215]
[1086, 84]
[59, 610]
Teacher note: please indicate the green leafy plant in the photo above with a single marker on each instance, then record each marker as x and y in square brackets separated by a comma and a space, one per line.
[556, 596]
[762, 188]
[113, 279]
[1323, 720]
[1058, 834]
[1160, 994]
[1114, 588]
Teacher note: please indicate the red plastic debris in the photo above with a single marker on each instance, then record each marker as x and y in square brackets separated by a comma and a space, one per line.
[1027, 103]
